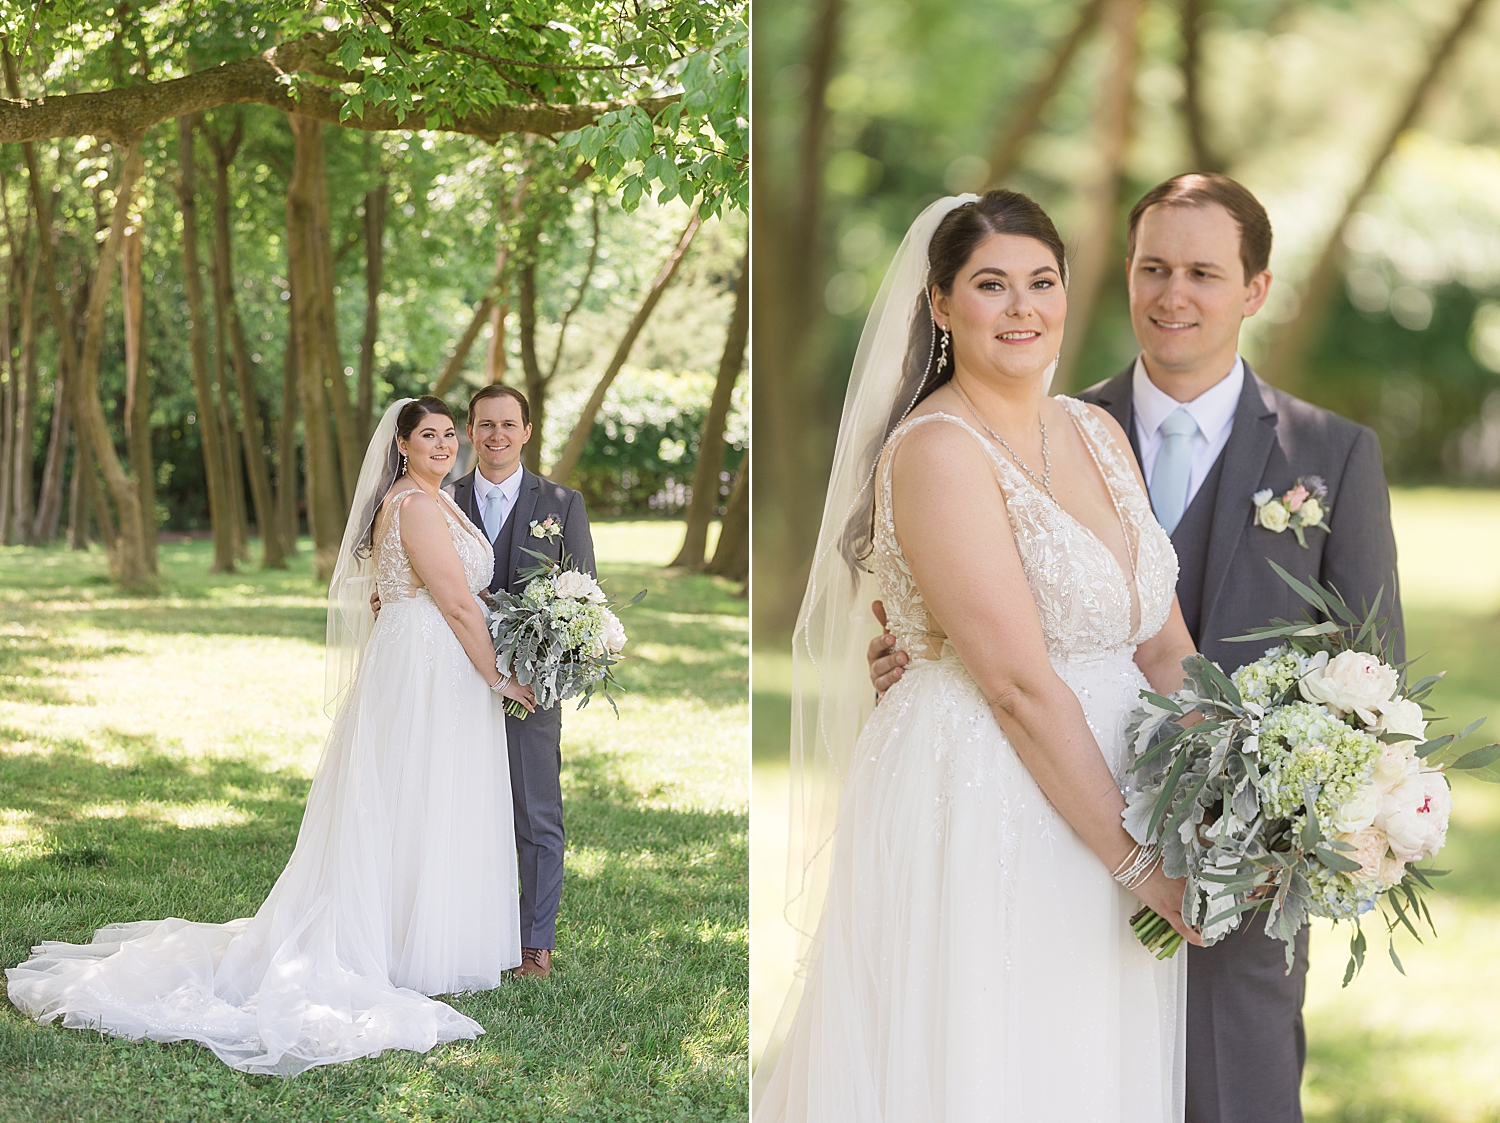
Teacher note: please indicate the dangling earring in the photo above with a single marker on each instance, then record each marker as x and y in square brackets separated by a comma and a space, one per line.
[943, 351]
[403, 464]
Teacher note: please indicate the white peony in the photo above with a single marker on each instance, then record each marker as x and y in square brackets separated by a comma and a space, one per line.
[613, 634]
[1414, 815]
[1358, 811]
[1311, 512]
[1402, 715]
[1351, 680]
[1392, 870]
[1273, 515]
[574, 585]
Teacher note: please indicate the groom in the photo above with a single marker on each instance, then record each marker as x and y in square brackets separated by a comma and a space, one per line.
[1209, 434]
[521, 511]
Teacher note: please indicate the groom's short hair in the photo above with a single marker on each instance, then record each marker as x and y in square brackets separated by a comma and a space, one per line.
[496, 390]
[1199, 189]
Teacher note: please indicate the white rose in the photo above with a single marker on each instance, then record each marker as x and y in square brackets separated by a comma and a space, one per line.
[1260, 498]
[613, 634]
[1358, 811]
[1369, 851]
[1402, 715]
[574, 585]
[1311, 512]
[1393, 764]
[1392, 870]
[1273, 515]
[1352, 680]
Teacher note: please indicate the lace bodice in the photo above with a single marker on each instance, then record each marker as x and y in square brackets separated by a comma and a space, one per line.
[1082, 593]
[394, 578]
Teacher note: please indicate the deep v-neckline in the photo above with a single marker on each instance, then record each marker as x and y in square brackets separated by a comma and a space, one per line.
[1131, 576]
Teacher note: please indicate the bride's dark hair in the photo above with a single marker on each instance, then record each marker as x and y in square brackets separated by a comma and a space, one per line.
[406, 424]
[924, 368]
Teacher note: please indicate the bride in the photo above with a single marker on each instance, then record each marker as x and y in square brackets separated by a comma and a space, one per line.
[403, 880]
[969, 954]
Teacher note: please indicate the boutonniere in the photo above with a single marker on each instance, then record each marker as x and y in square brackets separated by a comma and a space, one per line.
[549, 528]
[1301, 508]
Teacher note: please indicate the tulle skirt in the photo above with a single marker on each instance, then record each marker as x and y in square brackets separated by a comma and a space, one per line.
[975, 962]
[402, 885]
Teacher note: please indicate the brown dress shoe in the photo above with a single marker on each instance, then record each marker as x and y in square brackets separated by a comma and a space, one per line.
[535, 963]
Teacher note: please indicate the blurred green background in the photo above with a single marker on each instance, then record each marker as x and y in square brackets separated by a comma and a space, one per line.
[1370, 129]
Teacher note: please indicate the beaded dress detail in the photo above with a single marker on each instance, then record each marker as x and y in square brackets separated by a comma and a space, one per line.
[402, 883]
[975, 963]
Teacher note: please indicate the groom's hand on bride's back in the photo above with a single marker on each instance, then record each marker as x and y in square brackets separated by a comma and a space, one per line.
[885, 664]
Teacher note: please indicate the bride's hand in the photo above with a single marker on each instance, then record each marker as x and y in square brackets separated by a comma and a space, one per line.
[522, 694]
[1164, 895]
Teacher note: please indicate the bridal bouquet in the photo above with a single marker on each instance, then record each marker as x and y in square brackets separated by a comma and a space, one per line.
[1309, 787]
[559, 635]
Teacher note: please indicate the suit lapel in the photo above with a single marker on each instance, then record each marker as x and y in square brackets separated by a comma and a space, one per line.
[1245, 457]
[520, 520]
[463, 496]
[1117, 398]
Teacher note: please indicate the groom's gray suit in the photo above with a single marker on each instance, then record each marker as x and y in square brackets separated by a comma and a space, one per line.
[535, 745]
[1245, 1042]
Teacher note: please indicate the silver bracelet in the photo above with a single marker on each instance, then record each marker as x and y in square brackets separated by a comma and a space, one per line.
[502, 682]
[1137, 867]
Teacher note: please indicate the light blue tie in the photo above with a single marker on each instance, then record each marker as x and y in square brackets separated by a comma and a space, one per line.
[493, 515]
[1173, 468]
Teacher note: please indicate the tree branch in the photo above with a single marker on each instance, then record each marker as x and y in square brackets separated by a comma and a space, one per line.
[124, 114]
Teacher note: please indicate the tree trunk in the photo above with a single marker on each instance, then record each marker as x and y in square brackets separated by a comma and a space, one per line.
[77, 537]
[732, 554]
[325, 502]
[1020, 121]
[375, 203]
[50, 500]
[227, 307]
[335, 380]
[286, 449]
[138, 389]
[700, 510]
[1290, 343]
[128, 558]
[790, 379]
[1098, 238]
[568, 459]
[215, 463]
[234, 475]
[10, 370]
[26, 409]
[461, 350]
[494, 358]
[1204, 157]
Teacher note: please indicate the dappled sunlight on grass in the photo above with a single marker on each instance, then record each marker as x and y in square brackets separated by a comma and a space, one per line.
[155, 753]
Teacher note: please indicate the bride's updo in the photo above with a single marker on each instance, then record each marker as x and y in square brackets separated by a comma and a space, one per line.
[953, 243]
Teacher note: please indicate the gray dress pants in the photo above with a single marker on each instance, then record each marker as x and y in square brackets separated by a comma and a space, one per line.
[535, 747]
[1245, 1041]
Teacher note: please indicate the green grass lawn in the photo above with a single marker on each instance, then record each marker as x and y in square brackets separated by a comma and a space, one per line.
[1424, 1048]
[154, 758]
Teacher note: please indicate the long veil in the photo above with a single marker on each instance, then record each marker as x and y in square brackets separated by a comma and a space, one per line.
[350, 617]
[831, 692]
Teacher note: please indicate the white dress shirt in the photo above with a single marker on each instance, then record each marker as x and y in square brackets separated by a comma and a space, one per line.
[509, 488]
[1213, 410]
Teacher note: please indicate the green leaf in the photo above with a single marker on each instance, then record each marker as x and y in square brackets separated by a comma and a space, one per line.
[1424, 686]
[1396, 959]
[1335, 861]
[1243, 906]
[1162, 703]
[1302, 590]
[1479, 758]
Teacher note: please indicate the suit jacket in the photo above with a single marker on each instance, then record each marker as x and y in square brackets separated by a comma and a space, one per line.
[537, 499]
[1221, 553]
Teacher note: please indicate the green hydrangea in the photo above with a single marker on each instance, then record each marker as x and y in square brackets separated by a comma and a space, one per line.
[1337, 895]
[1301, 744]
[1268, 678]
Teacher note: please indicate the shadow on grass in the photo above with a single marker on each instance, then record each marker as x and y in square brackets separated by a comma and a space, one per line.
[28, 657]
[1352, 1077]
[643, 1018]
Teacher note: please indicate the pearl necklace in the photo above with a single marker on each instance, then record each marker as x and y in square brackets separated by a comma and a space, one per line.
[1045, 481]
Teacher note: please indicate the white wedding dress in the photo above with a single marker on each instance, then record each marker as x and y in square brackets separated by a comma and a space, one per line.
[402, 883]
[974, 963]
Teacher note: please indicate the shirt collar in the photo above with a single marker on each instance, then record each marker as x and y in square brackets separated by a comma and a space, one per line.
[509, 487]
[1213, 409]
